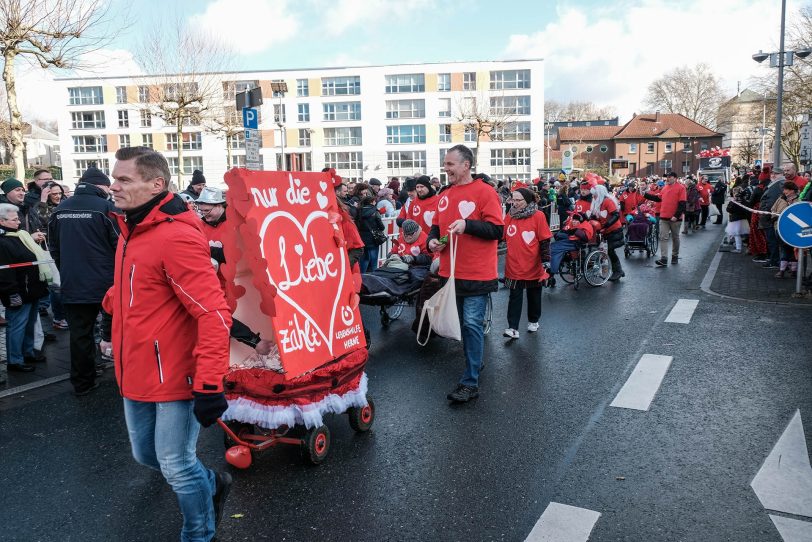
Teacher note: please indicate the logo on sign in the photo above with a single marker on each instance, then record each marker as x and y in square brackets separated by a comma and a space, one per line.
[715, 162]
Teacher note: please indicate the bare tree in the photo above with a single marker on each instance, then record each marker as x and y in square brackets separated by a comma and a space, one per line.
[182, 81]
[748, 149]
[486, 114]
[555, 111]
[694, 92]
[48, 33]
[224, 121]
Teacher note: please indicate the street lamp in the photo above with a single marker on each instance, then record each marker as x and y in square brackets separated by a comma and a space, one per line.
[279, 88]
[779, 60]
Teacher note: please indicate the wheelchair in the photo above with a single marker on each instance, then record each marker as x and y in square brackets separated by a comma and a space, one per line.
[590, 262]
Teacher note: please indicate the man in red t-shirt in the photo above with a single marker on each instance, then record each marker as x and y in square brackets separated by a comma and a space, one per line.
[468, 211]
[705, 191]
[673, 199]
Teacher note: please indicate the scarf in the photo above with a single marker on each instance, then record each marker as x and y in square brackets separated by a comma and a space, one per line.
[529, 210]
[39, 254]
[135, 216]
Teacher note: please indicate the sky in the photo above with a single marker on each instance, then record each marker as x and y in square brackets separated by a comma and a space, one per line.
[604, 52]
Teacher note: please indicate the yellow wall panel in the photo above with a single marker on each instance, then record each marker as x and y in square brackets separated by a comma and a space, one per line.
[456, 81]
[431, 82]
[112, 143]
[483, 80]
[458, 133]
[432, 134]
[267, 138]
[317, 137]
[314, 86]
[109, 94]
[159, 141]
[132, 94]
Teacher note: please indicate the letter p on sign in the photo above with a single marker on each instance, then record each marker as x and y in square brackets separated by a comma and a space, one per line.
[249, 118]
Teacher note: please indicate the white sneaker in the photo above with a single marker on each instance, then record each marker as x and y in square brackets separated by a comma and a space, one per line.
[532, 327]
[511, 333]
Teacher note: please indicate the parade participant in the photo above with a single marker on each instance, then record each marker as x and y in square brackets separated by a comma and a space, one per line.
[527, 261]
[630, 200]
[575, 233]
[584, 203]
[607, 213]
[705, 191]
[424, 209]
[170, 326]
[654, 188]
[83, 245]
[672, 199]
[411, 244]
[196, 185]
[692, 207]
[410, 190]
[470, 211]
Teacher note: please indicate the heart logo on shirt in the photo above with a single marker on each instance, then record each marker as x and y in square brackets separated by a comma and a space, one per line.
[415, 251]
[466, 208]
[528, 236]
[428, 217]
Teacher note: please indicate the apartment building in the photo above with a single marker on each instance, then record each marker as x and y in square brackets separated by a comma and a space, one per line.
[371, 121]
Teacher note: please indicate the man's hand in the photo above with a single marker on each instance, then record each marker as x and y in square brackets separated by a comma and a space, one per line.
[209, 406]
[263, 347]
[674, 219]
[436, 246]
[106, 348]
[457, 227]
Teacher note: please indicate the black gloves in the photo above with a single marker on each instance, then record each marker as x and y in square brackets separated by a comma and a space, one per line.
[209, 407]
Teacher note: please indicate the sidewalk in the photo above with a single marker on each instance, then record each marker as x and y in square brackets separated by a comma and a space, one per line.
[739, 276]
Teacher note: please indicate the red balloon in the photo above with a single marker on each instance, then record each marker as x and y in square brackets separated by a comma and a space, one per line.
[239, 456]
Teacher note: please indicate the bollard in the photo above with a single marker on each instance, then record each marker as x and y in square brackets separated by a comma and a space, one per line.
[799, 279]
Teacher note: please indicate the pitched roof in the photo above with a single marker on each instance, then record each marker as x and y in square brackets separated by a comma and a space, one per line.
[587, 133]
[647, 126]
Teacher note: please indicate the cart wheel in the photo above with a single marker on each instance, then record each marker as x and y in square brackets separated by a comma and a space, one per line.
[394, 311]
[361, 418]
[598, 268]
[239, 429]
[316, 444]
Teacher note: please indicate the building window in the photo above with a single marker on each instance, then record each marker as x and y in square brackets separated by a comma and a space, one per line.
[469, 81]
[85, 96]
[277, 93]
[89, 144]
[686, 166]
[180, 91]
[341, 86]
[82, 165]
[236, 141]
[146, 140]
[604, 148]
[703, 146]
[686, 146]
[633, 148]
[85, 120]
[588, 123]
[445, 133]
[344, 160]
[123, 140]
[303, 112]
[513, 131]
[143, 94]
[407, 133]
[510, 105]
[302, 88]
[510, 157]
[190, 163]
[470, 134]
[510, 79]
[443, 82]
[669, 147]
[232, 88]
[123, 118]
[146, 119]
[665, 165]
[574, 149]
[405, 109]
[411, 160]
[334, 137]
[649, 148]
[342, 111]
[121, 95]
[192, 141]
[413, 82]
[445, 107]
[304, 137]
[279, 114]
[237, 160]
[589, 149]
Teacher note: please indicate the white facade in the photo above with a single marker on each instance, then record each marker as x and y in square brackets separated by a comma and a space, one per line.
[405, 123]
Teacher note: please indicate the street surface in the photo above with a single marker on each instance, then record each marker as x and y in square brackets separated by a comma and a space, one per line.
[700, 403]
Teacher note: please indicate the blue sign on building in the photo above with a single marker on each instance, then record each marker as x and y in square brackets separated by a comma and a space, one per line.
[795, 225]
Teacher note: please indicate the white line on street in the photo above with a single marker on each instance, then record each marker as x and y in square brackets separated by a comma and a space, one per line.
[561, 522]
[34, 385]
[792, 530]
[639, 390]
[682, 311]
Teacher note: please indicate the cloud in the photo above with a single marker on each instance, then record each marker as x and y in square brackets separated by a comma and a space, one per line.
[609, 56]
[250, 26]
[341, 15]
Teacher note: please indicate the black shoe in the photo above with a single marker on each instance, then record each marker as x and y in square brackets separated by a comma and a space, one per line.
[674, 260]
[760, 260]
[50, 337]
[20, 367]
[769, 265]
[43, 312]
[617, 275]
[99, 370]
[38, 357]
[222, 485]
[662, 262]
[463, 394]
[86, 391]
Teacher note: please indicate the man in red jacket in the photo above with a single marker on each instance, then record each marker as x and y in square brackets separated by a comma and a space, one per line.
[673, 199]
[170, 326]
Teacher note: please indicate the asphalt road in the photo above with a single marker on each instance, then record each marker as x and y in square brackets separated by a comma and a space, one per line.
[542, 431]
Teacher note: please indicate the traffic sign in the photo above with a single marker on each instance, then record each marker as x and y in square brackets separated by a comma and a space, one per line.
[757, 163]
[250, 119]
[252, 146]
[566, 161]
[795, 225]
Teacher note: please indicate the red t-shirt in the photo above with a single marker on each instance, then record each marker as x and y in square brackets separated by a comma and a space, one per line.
[671, 195]
[423, 211]
[582, 206]
[476, 257]
[656, 191]
[630, 200]
[608, 207]
[420, 246]
[705, 190]
[523, 237]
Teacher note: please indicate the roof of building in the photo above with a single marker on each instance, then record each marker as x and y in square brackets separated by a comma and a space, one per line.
[655, 125]
[587, 133]
[588, 122]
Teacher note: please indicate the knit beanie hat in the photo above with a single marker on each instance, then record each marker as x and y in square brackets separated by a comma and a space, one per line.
[375, 182]
[409, 184]
[197, 177]
[10, 184]
[425, 180]
[95, 176]
[410, 227]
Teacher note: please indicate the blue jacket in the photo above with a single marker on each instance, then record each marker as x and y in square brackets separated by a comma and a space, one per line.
[82, 237]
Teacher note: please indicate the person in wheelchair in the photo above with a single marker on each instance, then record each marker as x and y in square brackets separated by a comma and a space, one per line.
[576, 233]
[411, 245]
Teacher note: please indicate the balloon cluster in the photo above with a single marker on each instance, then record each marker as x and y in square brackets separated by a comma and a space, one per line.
[714, 152]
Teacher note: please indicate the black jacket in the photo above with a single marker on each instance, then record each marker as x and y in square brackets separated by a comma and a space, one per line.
[770, 196]
[21, 280]
[718, 194]
[368, 219]
[83, 238]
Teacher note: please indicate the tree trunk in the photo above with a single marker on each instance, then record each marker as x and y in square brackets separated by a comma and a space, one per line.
[180, 151]
[228, 152]
[15, 118]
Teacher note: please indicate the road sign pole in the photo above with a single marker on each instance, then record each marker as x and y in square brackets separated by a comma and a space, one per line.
[799, 279]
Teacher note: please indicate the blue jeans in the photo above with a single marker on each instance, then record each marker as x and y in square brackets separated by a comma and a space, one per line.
[20, 331]
[471, 311]
[772, 246]
[164, 437]
[369, 261]
[56, 302]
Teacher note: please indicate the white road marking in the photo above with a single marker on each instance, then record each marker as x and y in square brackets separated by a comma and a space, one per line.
[784, 482]
[792, 530]
[797, 220]
[682, 311]
[563, 523]
[639, 390]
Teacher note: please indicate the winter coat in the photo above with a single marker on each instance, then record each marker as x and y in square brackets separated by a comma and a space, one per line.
[719, 191]
[82, 237]
[170, 318]
[368, 219]
[771, 194]
[25, 280]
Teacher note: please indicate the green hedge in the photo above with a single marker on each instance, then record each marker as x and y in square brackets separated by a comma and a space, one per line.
[7, 171]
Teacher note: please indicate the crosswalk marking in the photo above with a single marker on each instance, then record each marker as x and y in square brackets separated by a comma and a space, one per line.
[639, 390]
[682, 311]
[563, 523]
[792, 530]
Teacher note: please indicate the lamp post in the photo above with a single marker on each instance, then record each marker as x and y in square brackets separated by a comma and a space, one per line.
[279, 88]
[779, 60]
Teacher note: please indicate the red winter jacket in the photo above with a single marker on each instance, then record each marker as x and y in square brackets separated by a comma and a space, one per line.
[170, 318]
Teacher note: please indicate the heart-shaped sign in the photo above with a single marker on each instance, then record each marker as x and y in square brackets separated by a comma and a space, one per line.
[323, 186]
[322, 200]
[528, 236]
[466, 208]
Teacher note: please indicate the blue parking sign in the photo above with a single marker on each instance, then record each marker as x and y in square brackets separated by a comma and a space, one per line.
[794, 225]
[250, 118]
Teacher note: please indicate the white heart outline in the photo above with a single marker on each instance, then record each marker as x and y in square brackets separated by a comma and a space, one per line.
[528, 236]
[298, 248]
[465, 208]
[303, 229]
[323, 186]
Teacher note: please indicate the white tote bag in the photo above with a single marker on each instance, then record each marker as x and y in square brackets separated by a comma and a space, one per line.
[441, 308]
